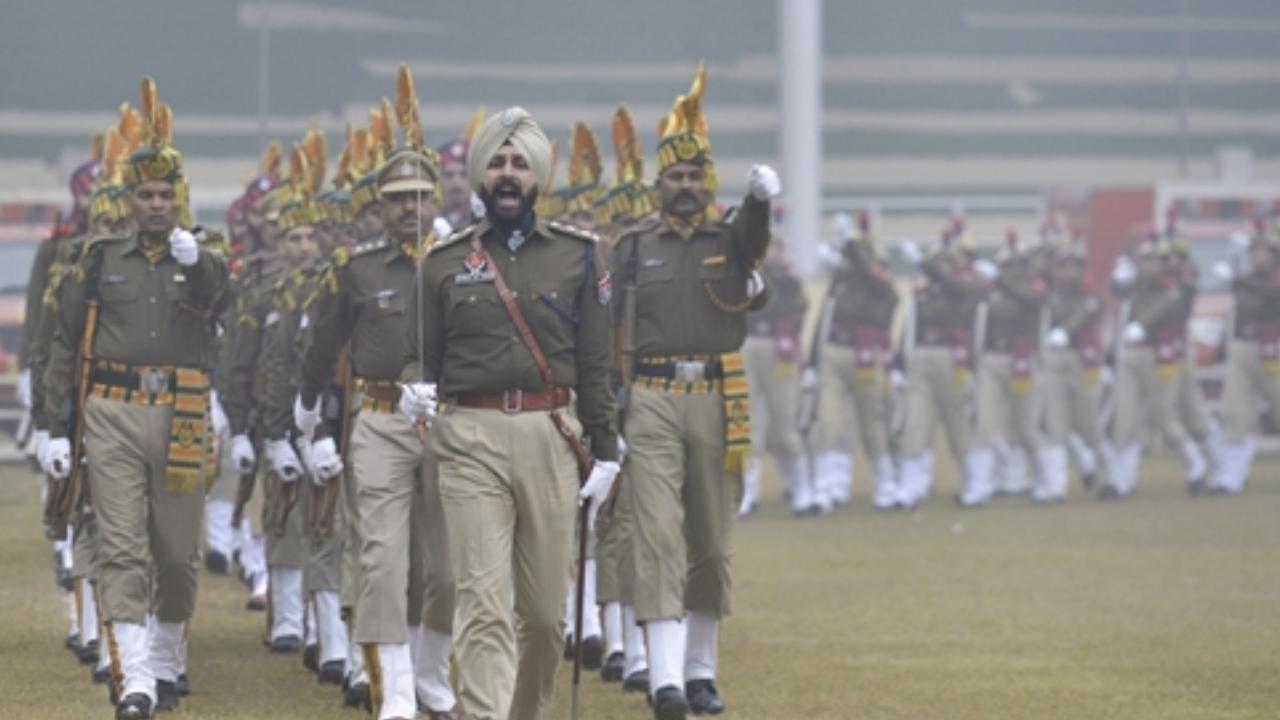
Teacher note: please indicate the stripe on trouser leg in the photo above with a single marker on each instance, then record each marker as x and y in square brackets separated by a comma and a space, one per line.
[117, 671]
[373, 668]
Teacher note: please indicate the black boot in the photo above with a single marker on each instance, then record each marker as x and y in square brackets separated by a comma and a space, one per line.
[286, 644]
[311, 658]
[215, 562]
[332, 672]
[167, 697]
[703, 697]
[357, 696]
[614, 667]
[134, 707]
[637, 681]
[669, 704]
[592, 652]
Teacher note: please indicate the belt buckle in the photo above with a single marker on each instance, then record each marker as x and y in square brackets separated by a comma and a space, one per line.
[690, 371]
[153, 381]
[507, 406]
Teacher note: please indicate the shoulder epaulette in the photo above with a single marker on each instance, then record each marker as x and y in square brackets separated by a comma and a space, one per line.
[642, 226]
[462, 234]
[99, 240]
[573, 232]
[368, 247]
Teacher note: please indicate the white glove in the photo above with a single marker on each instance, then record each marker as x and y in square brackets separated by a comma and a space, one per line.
[1058, 338]
[477, 207]
[307, 419]
[809, 378]
[623, 449]
[441, 228]
[897, 379]
[325, 462]
[910, 253]
[1134, 334]
[24, 388]
[56, 459]
[829, 257]
[986, 269]
[284, 461]
[764, 183]
[1223, 270]
[843, 225]
[217, 415]
[755, 284]
[418, 400]
[40, 440]
[597, 488]
[183, 247]
[1124, 272]
[242, 453]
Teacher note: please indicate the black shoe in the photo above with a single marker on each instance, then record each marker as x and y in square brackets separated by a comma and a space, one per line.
[669, 704]
[1196, 488]
[101, 675]
[311, 658]
[135, 707]
[333, 672]
[184, 685]
[166, 695]
[1109, 493]
[593, 652]
[215, 562]
[357, 696]
[703, 698]
[88, 653]
[637, 681]
[286, 644]
[72, 643]
[256, 603]
[613, 668]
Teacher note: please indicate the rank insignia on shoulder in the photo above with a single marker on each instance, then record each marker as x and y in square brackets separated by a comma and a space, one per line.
[604, 289]
[476, 272]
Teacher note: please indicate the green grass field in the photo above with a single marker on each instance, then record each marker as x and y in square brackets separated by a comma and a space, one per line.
[1159, 607]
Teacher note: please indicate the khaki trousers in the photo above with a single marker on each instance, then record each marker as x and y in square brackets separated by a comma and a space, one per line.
[685, 504]
[1191, 410]
[145, 522]
[775, 392]
[1072, 399]
[284, 546]
[84, 548]
[841, 380]
[1147, 392]
[509, 483]
[1006, 406]
[937, 389]
[322, 569]
[404, 567]
[350, 576]
[1249, 380]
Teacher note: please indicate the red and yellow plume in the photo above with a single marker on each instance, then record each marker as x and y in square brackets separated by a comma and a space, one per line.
[271, 158]
[150, 104]
[477, 119]
[407, 108]
[585, 164]
[313, 144]
[626, 146]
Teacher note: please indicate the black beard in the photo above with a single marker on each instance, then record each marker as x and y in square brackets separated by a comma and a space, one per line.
[522, 222]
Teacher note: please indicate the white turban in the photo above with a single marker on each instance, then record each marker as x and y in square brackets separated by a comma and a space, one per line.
[516, 125]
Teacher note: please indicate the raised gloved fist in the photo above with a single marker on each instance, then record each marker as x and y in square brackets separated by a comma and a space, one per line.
[305, 418]
[986, 269]
[1124, 272]
[755, 284]
[1223, 270]
[597, 488]
[56, 460]
[418, 400]
[1058, 338]
[284, 461]
[1134, 333]
[183, 247]
[242, 453]
[843, 225]
[325, 461]
[910, 253]
[763, 182]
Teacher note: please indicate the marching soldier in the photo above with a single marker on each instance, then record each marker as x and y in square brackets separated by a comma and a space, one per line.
[939, 366]
[406, 593]
[1150, 363]
[771, 352]
[1205, 436]
[1072, 388]
[1005, 389]
[857, 345]
[154, 293]
[692, 279]
[511, 326]
[1253, 360]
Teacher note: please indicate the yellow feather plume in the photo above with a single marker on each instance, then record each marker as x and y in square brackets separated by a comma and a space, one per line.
[271, 158]
[150, 105]
[313, 144]
[407, 108]
[477, 119]
[626, 146]
[95, 146]
[114, 152]
[585, 166]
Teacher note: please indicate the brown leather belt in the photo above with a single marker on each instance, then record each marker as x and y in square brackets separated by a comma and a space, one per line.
[379, 392]
[514, 401]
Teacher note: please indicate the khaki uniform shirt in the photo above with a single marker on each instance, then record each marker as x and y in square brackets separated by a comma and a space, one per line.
[469, 343]
[150, 313]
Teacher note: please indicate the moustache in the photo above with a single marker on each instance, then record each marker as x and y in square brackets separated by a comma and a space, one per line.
[685, 195]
